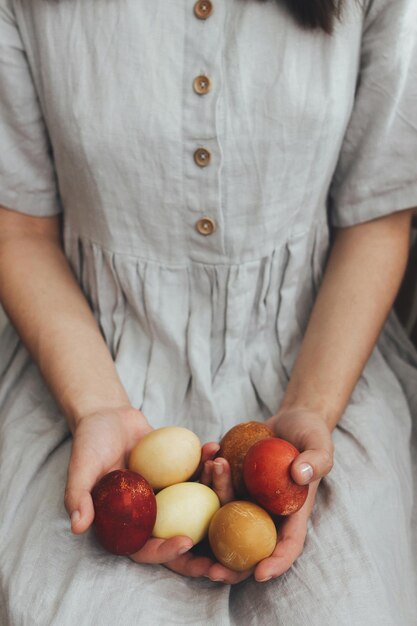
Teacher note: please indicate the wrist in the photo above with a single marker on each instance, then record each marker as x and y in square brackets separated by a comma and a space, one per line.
[131, 419]
[100, 393]
[317, 407]
[294, 416]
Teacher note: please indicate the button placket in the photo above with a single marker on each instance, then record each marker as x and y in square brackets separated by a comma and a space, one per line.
[201, 147]
[206, 225]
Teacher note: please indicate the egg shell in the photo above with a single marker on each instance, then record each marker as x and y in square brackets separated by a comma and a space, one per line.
[166, 456]
[124, 511]
[185, 509]
[267, 475]
[241, 534]
[234, 446]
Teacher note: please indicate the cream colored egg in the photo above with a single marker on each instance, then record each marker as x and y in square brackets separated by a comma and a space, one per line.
[185, 509]
[166, 456]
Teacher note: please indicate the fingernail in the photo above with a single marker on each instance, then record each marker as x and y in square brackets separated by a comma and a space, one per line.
[75, 518]
[218, 468]
[264, 580]
[185, 549]
[306, 472]
[218, 580]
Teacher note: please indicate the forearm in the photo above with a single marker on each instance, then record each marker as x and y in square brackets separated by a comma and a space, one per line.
[50, 313]
[361, 280]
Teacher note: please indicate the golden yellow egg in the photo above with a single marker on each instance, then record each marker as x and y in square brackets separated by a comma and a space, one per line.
[185, 509]
[241, 534]
[166, 456]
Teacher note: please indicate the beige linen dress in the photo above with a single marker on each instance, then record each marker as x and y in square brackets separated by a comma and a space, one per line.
[202, 269]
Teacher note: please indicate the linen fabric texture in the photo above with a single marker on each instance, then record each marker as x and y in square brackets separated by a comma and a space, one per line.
[99, 120]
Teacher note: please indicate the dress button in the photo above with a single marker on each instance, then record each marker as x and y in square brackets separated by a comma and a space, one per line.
[201, 85]
[203, 9]
[202, 157]
[206, 226]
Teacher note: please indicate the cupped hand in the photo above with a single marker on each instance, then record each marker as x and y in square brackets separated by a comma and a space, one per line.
[102, 442]
[309, 433]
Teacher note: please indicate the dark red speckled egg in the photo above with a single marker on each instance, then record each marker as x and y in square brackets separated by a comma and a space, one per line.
[125, 511]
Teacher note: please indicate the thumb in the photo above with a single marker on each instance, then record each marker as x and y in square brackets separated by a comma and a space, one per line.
[83, 473]
[316, 459]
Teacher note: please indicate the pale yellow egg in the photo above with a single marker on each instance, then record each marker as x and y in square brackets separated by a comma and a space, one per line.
[166, 456]
[185, 509]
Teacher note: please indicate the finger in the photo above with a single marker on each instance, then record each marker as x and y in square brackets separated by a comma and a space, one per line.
[279, 562]
[316, 460]
[162, 550]
[289, 547]
[201, 562]
[207, 474]
[290, 541]
[222, 480]
[220, 574]
[83, 471]
[208, 452]
[311, 465]
[190, 565]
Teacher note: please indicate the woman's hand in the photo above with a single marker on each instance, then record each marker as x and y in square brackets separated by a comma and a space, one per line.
[311, 435]
[102, 443]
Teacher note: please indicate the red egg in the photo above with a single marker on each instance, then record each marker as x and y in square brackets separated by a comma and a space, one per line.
[125, 511]
[267, 476]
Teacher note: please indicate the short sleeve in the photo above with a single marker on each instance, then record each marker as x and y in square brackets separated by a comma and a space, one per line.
[27, 177]
[377, 170]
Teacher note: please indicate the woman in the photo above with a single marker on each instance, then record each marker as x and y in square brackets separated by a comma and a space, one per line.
[197, 154]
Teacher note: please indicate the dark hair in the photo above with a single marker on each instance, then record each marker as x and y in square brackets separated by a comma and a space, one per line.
[316, 14]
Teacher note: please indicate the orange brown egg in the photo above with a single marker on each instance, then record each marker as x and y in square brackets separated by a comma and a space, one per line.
[234, 446]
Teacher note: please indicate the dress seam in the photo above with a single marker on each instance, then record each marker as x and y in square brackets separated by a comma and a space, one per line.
[87, 240]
